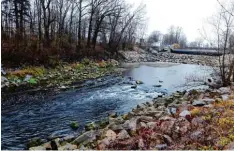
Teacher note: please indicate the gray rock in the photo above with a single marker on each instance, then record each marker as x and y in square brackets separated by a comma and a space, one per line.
[110, 135]
[131, 124]
[87, 136]
[37, 148]
[185, 113]
[157, 85]
[141, 125]
[115, 127]
[161, 146]
[145, 118]
[68, 138]
[209, 101]
[172, 110]
[224, 90]
[209, 106]
[197, 135]
[134, 86]
[139, 82]
[198, 103]
[68, 146]
[151, 125]
[225, 97]
[123, 134]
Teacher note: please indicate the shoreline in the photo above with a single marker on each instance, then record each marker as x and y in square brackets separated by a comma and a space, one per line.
[179, 118]
[62, 77]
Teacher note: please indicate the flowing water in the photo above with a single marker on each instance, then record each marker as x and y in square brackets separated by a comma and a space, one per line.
[41, 115]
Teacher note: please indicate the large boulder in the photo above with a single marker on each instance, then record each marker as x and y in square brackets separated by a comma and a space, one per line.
[131, 124]
[87, 137]
[167, 125]
[68, 146]
[181, 127]
[110, 135]
[123, 135]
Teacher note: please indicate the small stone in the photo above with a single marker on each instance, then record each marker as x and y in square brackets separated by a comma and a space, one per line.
[172, 110]
[185, 113]
[168, 139]
[37, 148]
[198, 103]
[209, 106]
[123, 135]
[139, 82]
[209, 101]
[141, 125]
[134, 86]
[62, 87]
[224, 90]
[151, 125]
[161, 146]
[141, 144]
[68, 146]
[157, 85]
[160, 95]
[225, 97]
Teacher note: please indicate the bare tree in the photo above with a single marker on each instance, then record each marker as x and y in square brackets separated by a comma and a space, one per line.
[154, 37]
[175, 35]
[222, 24]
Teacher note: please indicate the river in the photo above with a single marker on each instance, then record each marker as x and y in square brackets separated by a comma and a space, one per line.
[40, 115]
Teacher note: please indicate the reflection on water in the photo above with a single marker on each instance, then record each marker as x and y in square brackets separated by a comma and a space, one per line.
[53, 114]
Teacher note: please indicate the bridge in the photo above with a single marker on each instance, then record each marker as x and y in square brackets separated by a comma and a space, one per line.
[201, 48]
[208, 52]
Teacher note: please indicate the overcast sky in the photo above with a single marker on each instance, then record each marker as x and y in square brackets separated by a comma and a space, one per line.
[191, 15]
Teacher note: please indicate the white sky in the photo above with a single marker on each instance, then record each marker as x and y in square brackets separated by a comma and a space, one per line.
[191, 15]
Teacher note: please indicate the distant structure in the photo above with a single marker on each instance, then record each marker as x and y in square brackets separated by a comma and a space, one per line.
[156, 46]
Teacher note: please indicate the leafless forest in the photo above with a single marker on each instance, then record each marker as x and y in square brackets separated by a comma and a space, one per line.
[39, 31]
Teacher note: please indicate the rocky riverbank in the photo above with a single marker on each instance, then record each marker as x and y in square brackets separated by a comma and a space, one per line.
[140, 55]
[198, 119]
[62, 77]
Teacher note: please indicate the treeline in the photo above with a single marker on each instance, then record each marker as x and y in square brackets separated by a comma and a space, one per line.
[38, 30]
[174, 35]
